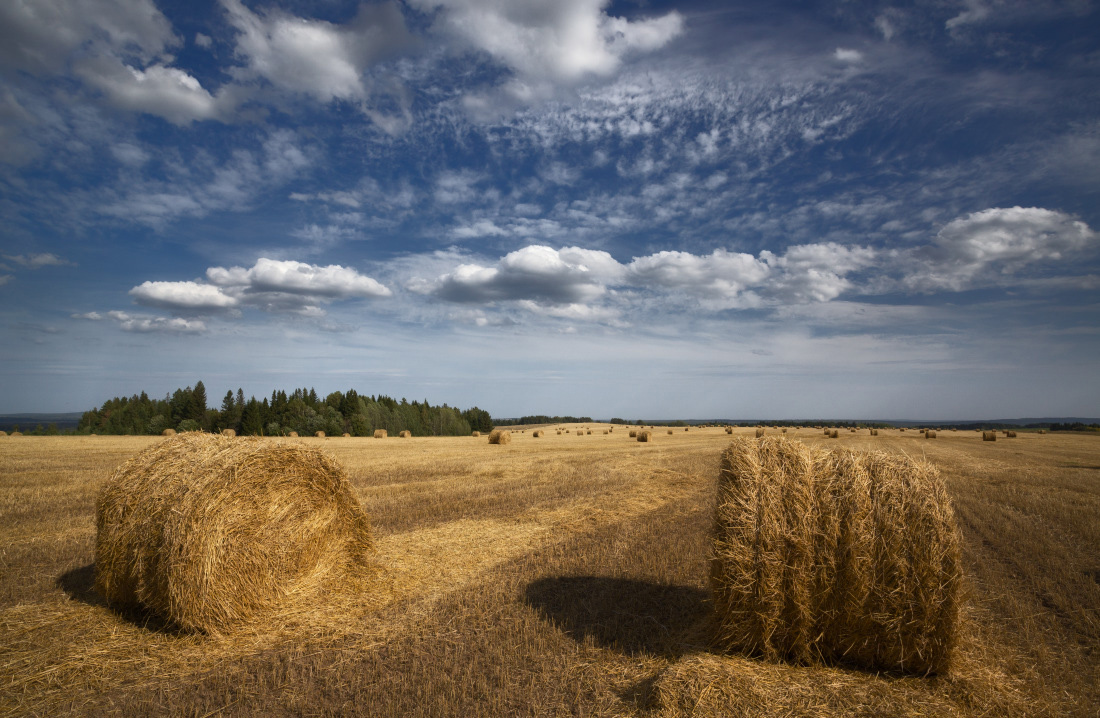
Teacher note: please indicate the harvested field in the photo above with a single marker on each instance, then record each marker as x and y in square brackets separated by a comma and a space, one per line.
[553, 578]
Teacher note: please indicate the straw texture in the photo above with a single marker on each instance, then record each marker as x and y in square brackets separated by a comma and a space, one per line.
[834, 556]
[213, 532]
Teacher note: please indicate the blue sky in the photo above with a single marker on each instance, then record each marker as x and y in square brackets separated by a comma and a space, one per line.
[636, 209]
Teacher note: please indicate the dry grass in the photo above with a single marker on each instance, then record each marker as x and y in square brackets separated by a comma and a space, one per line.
[554, 578]
[210, 532]
[834, 556]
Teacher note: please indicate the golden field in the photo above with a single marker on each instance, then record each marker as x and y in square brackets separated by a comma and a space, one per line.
[558, 575]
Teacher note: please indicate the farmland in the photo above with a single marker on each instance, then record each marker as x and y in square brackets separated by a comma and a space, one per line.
[558, 575]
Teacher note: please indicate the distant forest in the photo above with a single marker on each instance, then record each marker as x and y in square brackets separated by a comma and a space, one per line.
[302, 411]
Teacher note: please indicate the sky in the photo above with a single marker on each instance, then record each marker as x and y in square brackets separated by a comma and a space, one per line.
[847, 209]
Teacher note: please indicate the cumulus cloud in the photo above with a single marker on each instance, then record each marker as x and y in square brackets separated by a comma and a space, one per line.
[992, 247]
[291, 277]
[190, 296]
[847, 55]
[157, 90]
[557, 42]
[566, 276]
[721, 274]
[315, 57]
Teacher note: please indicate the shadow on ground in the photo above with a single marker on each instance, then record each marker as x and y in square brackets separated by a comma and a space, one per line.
[622, 614]
[79, 585]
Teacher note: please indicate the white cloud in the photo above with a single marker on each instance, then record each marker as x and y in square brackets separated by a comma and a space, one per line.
[566, 276]
[558, 42]
[35, 261]
[203, 41]
[291, 277]
[90, 316]
[722, 274]
[40, 36]
[144, 324]
[157, 90]
[991, 247]
[847, 55]
[4, 279]
[976, 11]
[315, 57]
[187, 296]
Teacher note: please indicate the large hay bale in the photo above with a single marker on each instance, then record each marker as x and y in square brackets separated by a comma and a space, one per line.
[784, 430]
[834, 434]
[475, 434]
[588, 432]
[293, 435]
[537, 433]
[989, 436]
[229, 432]
[670, 432]
[929, 434]
[3, 433]
[1042, 431]
[729, 429]
[500, 436]
[380, 433]
[874, 432]
[320, 434]
[168, 432]
[15, 434]
[645, 436]
[759, 433]
[1010, 434]
[405, 434]
[828, 431]
[212, 532]
[834, 555]
[346, 435]
[633, 433]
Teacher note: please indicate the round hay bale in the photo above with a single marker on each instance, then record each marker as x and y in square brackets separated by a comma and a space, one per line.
[645, 436]
[588, 432]
[580, 432]
[834, 434]
[229, 432]
[320, 434]
[729, 429]
[686, 428]
[346, 435]
[500, 436]
[828, 431]
[475, 434]
[1010, 434]
[168, 432]
[670, 432]
[929, 434]
[212, 532]
[835, 556]
[537, 433]
[605, 431]
[759, 433]
[989, 436]
[1042, 431]
[633, 433]
[406, 434]
[784, 430]
[380, 433]
[293, 435]
[874, 432]
[15, 433]
[3, 433]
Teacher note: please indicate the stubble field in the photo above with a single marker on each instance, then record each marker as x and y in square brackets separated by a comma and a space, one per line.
[559, 575]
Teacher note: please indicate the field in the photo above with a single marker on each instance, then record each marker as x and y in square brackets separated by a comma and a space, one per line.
[559, 575]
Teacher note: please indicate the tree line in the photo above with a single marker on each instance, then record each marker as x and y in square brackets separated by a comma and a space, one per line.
[301, 411]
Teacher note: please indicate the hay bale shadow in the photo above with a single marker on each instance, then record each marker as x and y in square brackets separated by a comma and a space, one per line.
[625, 615]
[79, 585]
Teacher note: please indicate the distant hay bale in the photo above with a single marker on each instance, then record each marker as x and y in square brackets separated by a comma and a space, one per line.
[212, 532]
[645, 435]
[784, 430]
[1010, 434]
[346, 435]
[670, 432]
[500, 436]
[320, 434]
[475, 434]
[759, 432]
[874, 432]
[729, 429]
[293, 434]
[836, 556]
[3, 433]
[929, 434]
[606, 431]
[381, 433]
[588, 432]
[687, 428]
[537, 433]
[580, 432]
[902, 429]
[1042, 431]
[852, 429]
[229, 432]
[633, 433]
[828, 431]
[989, 436]
[834, 434]
[168, 432]
[406, 434]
